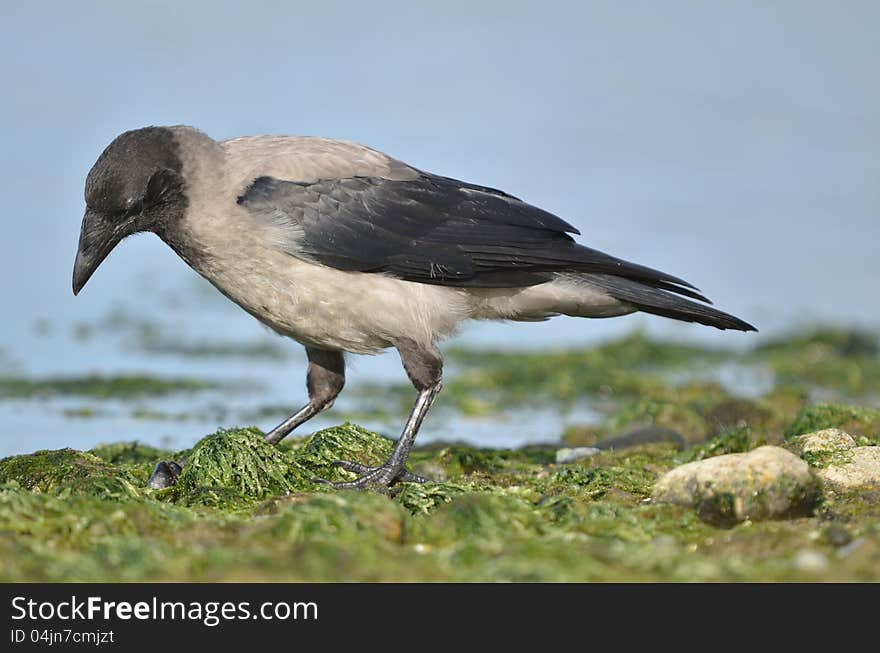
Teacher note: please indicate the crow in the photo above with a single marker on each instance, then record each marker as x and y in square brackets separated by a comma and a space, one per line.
[346, 249]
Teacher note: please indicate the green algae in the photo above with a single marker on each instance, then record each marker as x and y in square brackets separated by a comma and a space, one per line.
[150, 336]
[855, 420]
[734, 441]
[676, 383]
[824, 449]
[249, 512]
[152, 343]
[346, 442]
[822, 459]
[132, 453]
[672, 414]
[512, 516]
[839, 341]
[236, 466]
[100, 387]
[68, 471]
[627, 366]
[844, 360]
[490, 381]
[637, 381]
[696, 413]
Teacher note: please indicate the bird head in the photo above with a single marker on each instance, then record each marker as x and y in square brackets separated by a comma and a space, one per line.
[135, 185]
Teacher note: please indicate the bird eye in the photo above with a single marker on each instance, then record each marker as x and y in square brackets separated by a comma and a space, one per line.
[159, 185]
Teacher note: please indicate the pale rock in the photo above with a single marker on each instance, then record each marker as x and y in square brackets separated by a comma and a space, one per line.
[766, 483]
[860, 471]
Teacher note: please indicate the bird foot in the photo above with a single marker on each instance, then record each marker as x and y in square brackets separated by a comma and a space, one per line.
[383, 476]
[164, 474]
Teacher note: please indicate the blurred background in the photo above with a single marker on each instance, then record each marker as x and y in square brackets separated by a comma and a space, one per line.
[732, 144]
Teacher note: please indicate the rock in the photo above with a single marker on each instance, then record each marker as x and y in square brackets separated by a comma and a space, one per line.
[837, 535]
[639, 436]
[766, 483]
[824, 441]
[839, 464]
[853, 547]
[860, 471]
[66, 470]
[810, 561]
[565, 456]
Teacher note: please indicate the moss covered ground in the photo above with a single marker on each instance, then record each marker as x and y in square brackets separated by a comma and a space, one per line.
[244, 510]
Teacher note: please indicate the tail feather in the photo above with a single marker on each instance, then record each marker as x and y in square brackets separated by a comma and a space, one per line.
[662, 301]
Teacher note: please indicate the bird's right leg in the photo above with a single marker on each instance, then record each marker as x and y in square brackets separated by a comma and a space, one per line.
[324, 380]
[424, 366]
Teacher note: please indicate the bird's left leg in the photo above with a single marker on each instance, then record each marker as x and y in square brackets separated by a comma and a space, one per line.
[424, 366]
[324, 380]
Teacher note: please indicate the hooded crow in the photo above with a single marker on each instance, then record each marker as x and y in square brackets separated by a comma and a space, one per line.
[346, 249]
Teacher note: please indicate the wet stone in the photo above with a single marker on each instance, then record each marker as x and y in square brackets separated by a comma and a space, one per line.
[824, 441]
[566, 456]
[860, 471]
[766, 483]
[643, 435]
[839, 464]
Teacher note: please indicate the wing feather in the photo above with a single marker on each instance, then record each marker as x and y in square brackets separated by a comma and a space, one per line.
[431, 229]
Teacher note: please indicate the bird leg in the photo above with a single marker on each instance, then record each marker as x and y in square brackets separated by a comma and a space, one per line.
[424, 366]
[324, 380]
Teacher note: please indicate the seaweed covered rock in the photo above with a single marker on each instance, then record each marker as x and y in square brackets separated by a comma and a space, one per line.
[491, 517]
[861, 471]
[423, 498]
[128, 453]
[344, 519]
[641, 436]
[855, 420]
[692, 414]
[136, 458]
[237, 468]
[355, 443]
[55, 471]
[736, 441]
[823, 448]
[839, 464]
[671, 414]
[238, 465]
[346, 442]
[766, 483]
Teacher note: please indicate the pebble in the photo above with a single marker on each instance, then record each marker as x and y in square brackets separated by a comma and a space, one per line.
[650, 434]
[566, 456]
[810, 560]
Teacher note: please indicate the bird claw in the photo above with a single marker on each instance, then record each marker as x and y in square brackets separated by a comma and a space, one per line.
[382, 476]
[165, 475]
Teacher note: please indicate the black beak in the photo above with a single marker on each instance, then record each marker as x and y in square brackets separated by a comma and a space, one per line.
[96, 240]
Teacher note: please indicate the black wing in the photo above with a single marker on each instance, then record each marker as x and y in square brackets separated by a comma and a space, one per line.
[432, 229]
